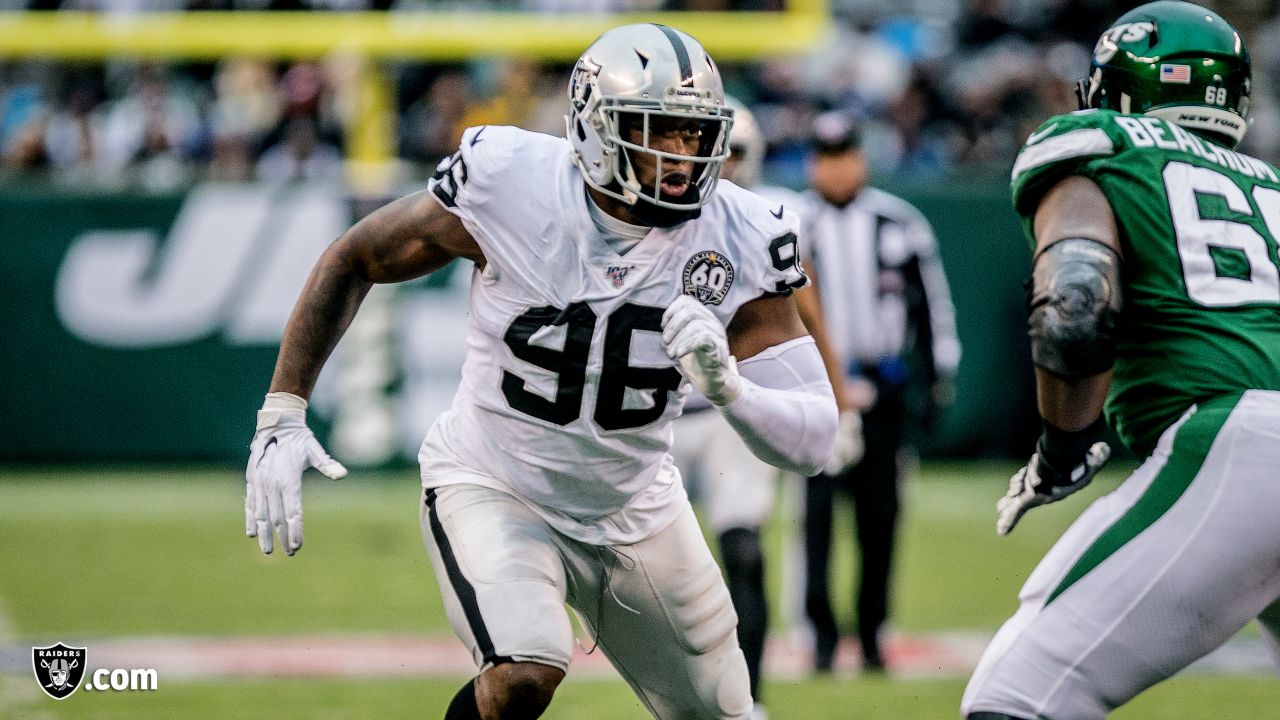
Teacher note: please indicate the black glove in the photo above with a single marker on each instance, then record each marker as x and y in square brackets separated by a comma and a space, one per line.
[1063, 463]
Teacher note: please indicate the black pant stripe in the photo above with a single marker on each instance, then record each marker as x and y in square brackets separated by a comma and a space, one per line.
[466, 593]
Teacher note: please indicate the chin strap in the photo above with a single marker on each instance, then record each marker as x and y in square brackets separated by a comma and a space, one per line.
[646, 213]
[649, 214]
[661, 217]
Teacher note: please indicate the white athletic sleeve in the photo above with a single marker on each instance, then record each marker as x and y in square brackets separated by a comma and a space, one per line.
[786, 413]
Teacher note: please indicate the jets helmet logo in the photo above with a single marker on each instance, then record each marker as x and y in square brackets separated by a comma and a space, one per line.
[707, 277]
[1124, 32]
[59, 669]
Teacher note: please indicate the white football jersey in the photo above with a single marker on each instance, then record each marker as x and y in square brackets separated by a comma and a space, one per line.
[798, 203]
[567, 395]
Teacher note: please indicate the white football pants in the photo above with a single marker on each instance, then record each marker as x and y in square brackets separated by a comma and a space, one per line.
[658, 609]
[734, 488]
[1152, 576]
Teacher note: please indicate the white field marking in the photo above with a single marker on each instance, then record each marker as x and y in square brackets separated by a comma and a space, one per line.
[209, 658]
[951, 654]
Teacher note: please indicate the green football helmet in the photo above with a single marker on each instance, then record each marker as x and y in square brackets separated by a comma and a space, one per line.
[1177, 61]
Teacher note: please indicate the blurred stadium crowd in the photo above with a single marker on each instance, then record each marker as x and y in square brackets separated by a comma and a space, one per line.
[940, 87]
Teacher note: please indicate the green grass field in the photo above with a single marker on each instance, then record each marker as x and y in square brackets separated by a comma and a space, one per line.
[92, 554]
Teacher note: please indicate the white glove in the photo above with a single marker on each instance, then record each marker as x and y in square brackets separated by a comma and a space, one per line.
[1040, 484]
[692, 335]
[282, 448]
[849, 446]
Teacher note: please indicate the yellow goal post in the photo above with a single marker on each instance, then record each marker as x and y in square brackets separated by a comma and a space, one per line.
[370, 37]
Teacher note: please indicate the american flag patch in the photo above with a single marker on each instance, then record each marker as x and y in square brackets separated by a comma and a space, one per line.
[1175, 74]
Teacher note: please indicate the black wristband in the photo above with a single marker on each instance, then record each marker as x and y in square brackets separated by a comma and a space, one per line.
[1062, 449]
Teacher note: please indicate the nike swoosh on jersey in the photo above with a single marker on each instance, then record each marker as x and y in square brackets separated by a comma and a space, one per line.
[779, 213]
[1036, 137]
[476, 138]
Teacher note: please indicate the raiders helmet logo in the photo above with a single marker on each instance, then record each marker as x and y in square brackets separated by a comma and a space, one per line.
[59, 669]
[582, 81]
[708, 277]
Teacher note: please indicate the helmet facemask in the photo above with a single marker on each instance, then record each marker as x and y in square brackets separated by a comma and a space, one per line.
[626, 92]
[630, 129]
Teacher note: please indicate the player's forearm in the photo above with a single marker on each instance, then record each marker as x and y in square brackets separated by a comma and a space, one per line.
[324, 310]
[1071, 404]
[786, 413]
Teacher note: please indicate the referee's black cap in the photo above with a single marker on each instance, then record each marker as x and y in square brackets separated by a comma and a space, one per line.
[835, 132]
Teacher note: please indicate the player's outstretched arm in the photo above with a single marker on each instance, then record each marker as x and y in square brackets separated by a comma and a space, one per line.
[402, 240]
[1075, 299]
[405, 239]
[778, 399]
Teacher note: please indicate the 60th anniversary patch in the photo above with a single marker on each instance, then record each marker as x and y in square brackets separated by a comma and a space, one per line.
[708, 277]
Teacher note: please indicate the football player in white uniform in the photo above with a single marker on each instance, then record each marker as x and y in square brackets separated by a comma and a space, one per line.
[610, 275]
[736, 489]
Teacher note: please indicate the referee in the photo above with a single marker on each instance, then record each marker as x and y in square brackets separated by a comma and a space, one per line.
[881, 290]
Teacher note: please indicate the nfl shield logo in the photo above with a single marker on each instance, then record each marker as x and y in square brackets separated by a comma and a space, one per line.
[59, 669]
[617, 274]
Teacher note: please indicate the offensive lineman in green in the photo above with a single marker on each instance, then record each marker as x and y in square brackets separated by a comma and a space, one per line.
[1156, 287]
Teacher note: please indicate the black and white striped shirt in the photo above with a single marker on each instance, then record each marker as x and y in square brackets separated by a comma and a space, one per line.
[881, 282]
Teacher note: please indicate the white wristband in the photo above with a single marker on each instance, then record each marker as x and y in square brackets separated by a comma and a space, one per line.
[276, 405]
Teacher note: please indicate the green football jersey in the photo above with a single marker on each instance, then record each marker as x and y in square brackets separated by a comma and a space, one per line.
[1201, 276]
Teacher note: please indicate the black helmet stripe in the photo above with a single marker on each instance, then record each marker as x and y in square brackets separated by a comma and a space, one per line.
[682, 55]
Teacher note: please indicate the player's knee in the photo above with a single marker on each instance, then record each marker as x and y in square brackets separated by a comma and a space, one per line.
[723, 684]
[517, 690]
[740, 550]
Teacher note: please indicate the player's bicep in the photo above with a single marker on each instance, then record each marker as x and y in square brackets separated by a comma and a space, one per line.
[1075, 207]
[809, 306]
[406, 239]
[809, 299]
[763, 323]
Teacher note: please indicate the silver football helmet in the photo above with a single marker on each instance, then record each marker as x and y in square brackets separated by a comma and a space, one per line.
[629, 75]
[746, 145]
